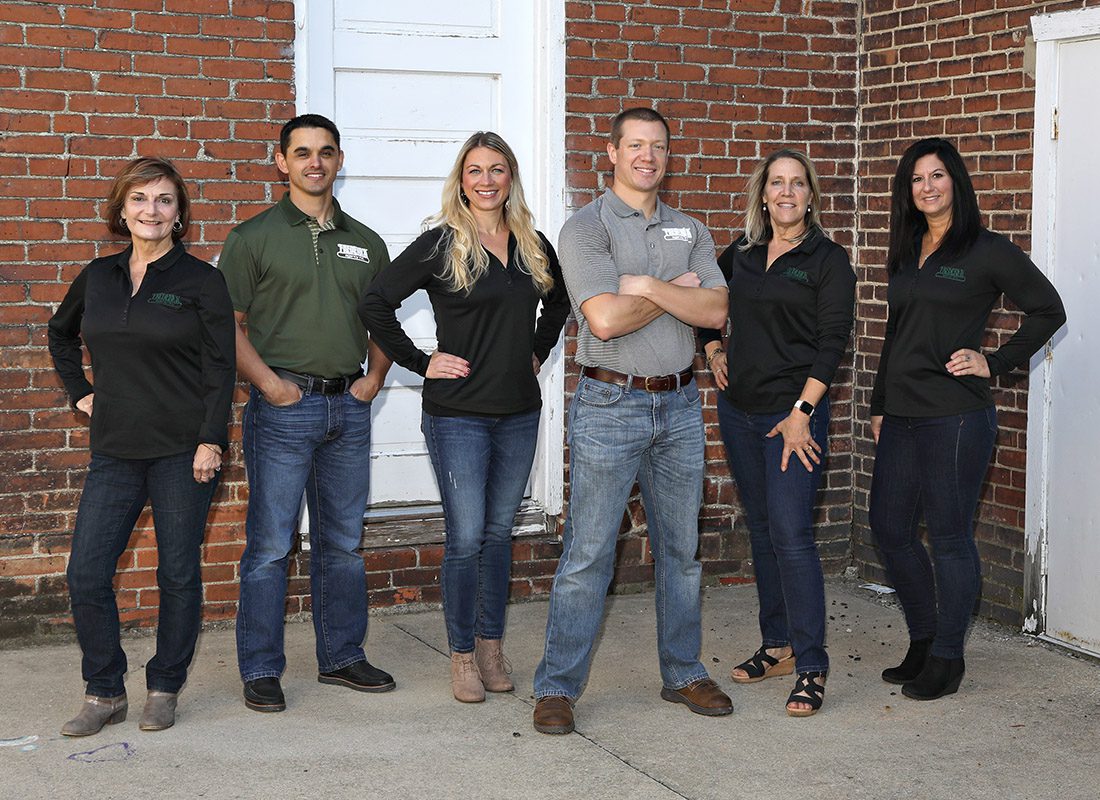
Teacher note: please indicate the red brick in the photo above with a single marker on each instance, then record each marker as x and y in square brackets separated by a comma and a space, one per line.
[131, 42]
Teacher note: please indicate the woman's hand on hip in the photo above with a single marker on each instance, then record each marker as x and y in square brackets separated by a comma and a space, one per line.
[968, 362]
[85, 404]
[447, 367]
[208, 460]
[795, 428]
[876, 426]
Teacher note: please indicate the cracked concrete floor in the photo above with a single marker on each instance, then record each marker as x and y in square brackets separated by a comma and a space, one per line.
[1026, 723]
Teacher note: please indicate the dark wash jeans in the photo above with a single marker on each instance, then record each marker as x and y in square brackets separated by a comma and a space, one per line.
[932, 467]
[482, 465]
[114, 494]
[779, 511]
[319, 445]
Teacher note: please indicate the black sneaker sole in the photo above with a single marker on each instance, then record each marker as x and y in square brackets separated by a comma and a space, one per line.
[333, 680]
[256, 705]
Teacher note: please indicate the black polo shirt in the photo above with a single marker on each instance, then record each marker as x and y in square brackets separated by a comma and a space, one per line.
[163, 360]
[943, 307]
[787, 323]
[493, 327]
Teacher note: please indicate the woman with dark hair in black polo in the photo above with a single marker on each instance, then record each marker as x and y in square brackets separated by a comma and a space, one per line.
[932, 412]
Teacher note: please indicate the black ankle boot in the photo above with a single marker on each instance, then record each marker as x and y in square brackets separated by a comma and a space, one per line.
[910, 668]
[940, 676]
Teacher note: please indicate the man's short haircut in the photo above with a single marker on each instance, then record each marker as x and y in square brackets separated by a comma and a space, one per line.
[307, 121]
[639, 113]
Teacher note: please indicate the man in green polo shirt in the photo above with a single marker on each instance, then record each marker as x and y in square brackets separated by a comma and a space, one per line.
[296, 272]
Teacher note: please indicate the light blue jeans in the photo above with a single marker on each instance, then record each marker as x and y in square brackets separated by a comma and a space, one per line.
[482, 465]
[616, 435]
[321, 445]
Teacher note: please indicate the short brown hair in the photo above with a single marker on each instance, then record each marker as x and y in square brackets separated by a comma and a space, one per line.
[139, 172]
[640, 113]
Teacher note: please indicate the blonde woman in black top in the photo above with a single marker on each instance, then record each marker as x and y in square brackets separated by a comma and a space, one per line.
[932, 412]
[792, 293]
[158, 324]
[486, 270]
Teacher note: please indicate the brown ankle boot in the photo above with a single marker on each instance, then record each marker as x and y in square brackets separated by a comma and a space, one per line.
[493, 666]
[465, 680]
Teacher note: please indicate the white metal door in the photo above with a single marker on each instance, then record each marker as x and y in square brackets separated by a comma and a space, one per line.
[1063, 412]
[407, 83]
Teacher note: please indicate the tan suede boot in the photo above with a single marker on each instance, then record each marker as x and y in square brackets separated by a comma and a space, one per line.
[493, 666]
[465, 680]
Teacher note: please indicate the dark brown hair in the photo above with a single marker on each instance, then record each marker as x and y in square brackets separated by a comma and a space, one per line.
[139, 172]
[640, 113]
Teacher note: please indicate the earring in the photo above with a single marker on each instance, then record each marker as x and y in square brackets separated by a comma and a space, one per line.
[123, 221]
[177, 226]
[464, 198]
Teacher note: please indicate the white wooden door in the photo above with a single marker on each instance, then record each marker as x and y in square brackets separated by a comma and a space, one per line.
[1063, 408]
[407, 82]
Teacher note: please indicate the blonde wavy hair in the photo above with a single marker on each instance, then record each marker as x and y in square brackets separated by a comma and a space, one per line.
[466, 259]
[758, 225]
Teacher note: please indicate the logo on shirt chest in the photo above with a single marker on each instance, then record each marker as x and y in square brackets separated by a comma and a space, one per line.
[796, 274]
[677, 234]
[353, 252]
[952, 274]
[166, 299]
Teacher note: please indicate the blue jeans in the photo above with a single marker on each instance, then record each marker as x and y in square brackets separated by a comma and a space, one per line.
[779, 512]
[321, 445]
[618, 434]
[482, 465]
[932, 467]
[114, 494]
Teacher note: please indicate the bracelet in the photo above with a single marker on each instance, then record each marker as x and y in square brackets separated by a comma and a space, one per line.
[217, 450]
[713, 353]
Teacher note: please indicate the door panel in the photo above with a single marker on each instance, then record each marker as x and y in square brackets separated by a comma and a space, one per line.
[407, 83]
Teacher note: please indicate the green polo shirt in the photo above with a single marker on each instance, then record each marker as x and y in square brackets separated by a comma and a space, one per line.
[300, 286]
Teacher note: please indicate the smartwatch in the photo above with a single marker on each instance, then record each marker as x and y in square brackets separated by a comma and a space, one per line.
[804, 407]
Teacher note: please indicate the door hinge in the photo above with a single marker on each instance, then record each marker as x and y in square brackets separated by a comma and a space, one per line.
[1054, 124]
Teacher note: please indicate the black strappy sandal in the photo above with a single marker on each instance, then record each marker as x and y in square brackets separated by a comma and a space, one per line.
[806, 690]
[762, 666]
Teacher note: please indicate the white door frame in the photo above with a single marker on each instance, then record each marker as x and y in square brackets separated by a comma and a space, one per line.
[1050, 31]
[548, 205]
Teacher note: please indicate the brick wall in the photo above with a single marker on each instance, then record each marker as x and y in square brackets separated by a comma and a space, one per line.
[207, 83]
[84, 89]
[84, 86]
[957, 69]
[736, 80]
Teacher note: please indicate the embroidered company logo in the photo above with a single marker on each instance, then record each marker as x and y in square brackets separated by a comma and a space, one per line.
[677, 234]
[952, 274]
[795, 274]
[166, 299]
[353, 252]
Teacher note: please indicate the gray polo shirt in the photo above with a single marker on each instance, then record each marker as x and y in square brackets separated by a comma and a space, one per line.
[606, 239]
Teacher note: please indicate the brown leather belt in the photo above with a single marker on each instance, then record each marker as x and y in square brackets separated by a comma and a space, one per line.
[314, 384]
[652, 383]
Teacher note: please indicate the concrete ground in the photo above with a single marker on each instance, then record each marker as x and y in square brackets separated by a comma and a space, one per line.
[1025, 724]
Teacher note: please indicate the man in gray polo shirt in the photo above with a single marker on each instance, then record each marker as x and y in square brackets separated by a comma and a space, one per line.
[640, 277]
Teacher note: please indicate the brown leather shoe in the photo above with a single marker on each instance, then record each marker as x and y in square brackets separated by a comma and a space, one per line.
[554, 714]
[703, 697]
